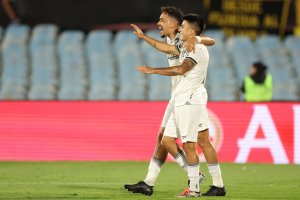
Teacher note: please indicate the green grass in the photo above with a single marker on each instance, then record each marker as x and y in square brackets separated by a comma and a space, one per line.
[104, 180]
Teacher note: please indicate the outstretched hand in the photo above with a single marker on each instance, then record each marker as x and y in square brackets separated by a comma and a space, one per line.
[144, 69]
[137, 31]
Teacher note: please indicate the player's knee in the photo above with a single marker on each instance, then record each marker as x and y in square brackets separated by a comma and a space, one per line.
[165, 144]
[203, 139]
[189, 147]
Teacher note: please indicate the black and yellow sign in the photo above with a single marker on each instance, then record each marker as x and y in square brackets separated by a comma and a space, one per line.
[248, 17]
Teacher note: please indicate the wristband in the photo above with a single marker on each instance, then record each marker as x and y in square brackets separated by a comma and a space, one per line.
[198, 38]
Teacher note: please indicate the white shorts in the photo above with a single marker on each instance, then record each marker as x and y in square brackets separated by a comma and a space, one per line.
[186, 121]
[167, 114]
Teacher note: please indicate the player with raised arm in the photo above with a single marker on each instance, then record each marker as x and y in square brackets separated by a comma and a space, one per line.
[169, 23]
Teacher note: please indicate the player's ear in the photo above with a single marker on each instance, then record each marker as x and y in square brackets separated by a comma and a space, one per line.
[192, 32]
[173, 23]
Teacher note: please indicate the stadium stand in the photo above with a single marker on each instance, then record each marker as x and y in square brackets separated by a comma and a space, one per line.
[44, 71]
[42, 63]
[221, 82]
[132, 85]
[15, 72]
[103, 76]
[159, 87]
[272, 52]
[73, 67]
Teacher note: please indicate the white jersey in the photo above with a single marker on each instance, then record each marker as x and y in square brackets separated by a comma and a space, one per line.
[190, 86]
[174, 59]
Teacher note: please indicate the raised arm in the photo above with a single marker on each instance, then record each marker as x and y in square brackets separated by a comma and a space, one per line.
[168, 71]
[159, 45]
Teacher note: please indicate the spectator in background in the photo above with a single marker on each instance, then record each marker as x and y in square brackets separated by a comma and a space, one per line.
[257, 86]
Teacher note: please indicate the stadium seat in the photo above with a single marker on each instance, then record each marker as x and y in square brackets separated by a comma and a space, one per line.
[17, 32]
[42, 93]
[102, 73]
[43, 64]
[11, 91]
[15, 69]
[128, 56]
[218, 35]
[292, 43]
[73, 73]
[159, 87]
[44, 73]
[221, 73]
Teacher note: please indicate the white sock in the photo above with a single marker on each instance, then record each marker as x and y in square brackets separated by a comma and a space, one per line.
[153, 171]
[193, 173]
[215, 172]
[181, 160]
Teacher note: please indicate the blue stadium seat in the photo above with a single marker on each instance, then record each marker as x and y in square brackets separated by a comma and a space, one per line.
[11, 91]
[268, 42]
[15, 61]
[221, 73]
[17, 32]
[285, 90]
[132, 84]
[73, 73]
[292, 43]
[159, 87]
[218, 35]
[102, 74]
[42, 92]
[44, 74]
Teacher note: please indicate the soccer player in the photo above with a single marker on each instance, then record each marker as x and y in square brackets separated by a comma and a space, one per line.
[189, 98]
[169, 24]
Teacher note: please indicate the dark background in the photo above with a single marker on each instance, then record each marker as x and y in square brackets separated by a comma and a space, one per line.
[118, 14]
[87, 14]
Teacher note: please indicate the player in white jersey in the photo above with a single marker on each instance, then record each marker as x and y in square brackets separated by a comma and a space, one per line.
[188, 95]
[169, 23]
[169, 29]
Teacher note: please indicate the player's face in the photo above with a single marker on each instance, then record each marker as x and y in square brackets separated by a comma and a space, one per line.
[165, 25]
[185, 31]
[253, 70]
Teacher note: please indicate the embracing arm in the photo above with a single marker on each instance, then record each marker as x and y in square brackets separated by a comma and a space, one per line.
[159, 45]
[207, 41]
[191, 43]
[169, 71]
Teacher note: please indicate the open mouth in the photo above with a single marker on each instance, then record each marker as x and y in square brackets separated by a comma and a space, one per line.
[160, 28]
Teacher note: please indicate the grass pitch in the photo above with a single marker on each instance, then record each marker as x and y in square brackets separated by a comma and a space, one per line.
[105, 180]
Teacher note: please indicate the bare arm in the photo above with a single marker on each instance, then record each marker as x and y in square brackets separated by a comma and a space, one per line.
[168, 71]
[159, 45]
[205, 40]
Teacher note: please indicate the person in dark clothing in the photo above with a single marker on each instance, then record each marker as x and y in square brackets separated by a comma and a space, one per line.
[257, 86]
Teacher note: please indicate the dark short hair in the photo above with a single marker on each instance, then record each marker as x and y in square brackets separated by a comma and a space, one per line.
[260, 66]
[197, 21]
[174, 12]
